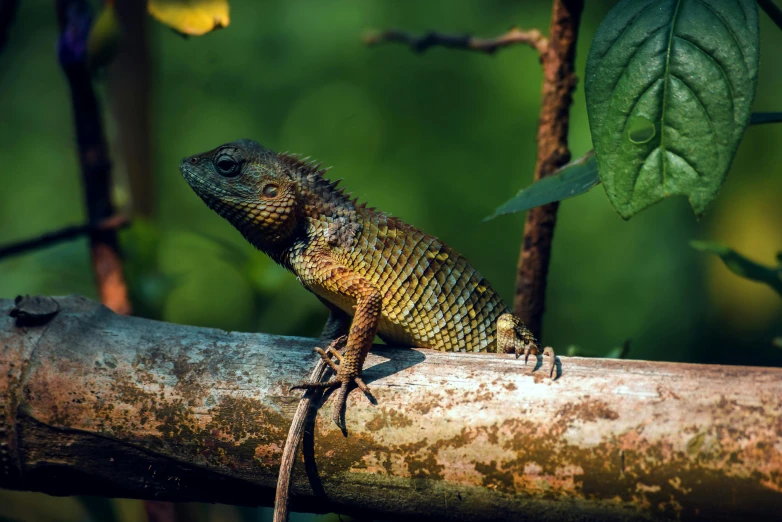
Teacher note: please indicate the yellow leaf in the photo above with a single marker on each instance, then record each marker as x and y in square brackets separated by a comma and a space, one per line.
[191, 17]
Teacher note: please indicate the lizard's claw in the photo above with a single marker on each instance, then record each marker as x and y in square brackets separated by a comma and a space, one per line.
[552, 361]
[533, 349]
[343, 382]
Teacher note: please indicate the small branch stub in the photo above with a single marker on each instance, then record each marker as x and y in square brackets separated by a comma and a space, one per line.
[421, 44]
[33, 311]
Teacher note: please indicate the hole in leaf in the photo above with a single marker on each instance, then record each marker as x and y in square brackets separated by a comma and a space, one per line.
[640, 130]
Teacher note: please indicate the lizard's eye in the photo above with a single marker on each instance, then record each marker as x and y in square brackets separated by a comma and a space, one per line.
[270, 191]
[227, 166]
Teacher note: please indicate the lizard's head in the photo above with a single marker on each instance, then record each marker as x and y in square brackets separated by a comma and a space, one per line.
[247, 185]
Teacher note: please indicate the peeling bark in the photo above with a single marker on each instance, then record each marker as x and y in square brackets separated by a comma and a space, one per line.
[101, 404]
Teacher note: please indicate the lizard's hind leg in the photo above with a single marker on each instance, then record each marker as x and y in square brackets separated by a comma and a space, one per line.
[514, 336]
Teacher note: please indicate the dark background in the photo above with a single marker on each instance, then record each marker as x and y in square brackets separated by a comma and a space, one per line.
[439, 140]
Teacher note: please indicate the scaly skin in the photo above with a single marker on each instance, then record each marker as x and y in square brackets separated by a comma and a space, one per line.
[390, 278]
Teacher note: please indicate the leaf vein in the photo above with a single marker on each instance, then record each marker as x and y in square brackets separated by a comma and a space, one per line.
[722, 69]
[672, 153]
[632, 56]
[705, 110]
[743, 11]
[666, 74]
[629, 24]
[638, 174]
[637, 101]
[728, 27]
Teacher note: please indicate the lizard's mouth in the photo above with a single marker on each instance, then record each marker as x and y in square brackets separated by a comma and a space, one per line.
[209, 192]
[191, 175]
[196, 182]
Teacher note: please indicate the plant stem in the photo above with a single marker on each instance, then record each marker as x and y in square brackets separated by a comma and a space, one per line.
[772, 10]
[93, 156]
[559, 81]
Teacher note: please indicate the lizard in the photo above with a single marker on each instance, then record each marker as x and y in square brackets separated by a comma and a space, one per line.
[376, 274]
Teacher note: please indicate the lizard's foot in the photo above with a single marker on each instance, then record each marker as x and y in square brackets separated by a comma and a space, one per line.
[332, 350]
[343, 380]
[513, 335]
[548, 351]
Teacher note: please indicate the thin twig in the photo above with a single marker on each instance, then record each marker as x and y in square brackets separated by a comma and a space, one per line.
[74, 18]
[772, 10]
[420, 44]
[64, 234]
[559, 81]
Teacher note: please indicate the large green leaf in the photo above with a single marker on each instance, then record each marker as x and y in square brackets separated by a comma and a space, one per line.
[573, 179]
[669, 85]
[579, 177]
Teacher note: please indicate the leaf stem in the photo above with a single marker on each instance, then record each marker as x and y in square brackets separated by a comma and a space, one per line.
[772, 10]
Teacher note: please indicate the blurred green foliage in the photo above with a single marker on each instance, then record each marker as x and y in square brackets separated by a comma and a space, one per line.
[439, 140]
[741, 266]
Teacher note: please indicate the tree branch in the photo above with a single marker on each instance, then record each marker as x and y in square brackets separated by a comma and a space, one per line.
[64, 234]
[421, 44]
[559, 81]
[97, 403]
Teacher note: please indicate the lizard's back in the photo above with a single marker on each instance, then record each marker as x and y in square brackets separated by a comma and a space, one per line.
[432, 297]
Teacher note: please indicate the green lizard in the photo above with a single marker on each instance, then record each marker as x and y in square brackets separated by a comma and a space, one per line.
[376, 274]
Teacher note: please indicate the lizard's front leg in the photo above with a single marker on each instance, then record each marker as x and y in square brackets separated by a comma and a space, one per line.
[366, 319]
[514, 336]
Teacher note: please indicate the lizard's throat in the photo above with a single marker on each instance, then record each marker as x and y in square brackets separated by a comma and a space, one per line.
[265, 234]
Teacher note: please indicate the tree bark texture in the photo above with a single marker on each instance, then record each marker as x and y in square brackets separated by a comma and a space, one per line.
[97, 403]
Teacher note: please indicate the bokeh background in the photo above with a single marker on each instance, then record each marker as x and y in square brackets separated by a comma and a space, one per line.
[439, 140]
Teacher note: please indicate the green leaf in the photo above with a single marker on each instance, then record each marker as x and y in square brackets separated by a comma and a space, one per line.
[759, 118]
[740, 265]
[577, 177]
[669, 85]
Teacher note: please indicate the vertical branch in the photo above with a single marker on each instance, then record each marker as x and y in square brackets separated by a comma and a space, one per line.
[75, 19]
[559, 80]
